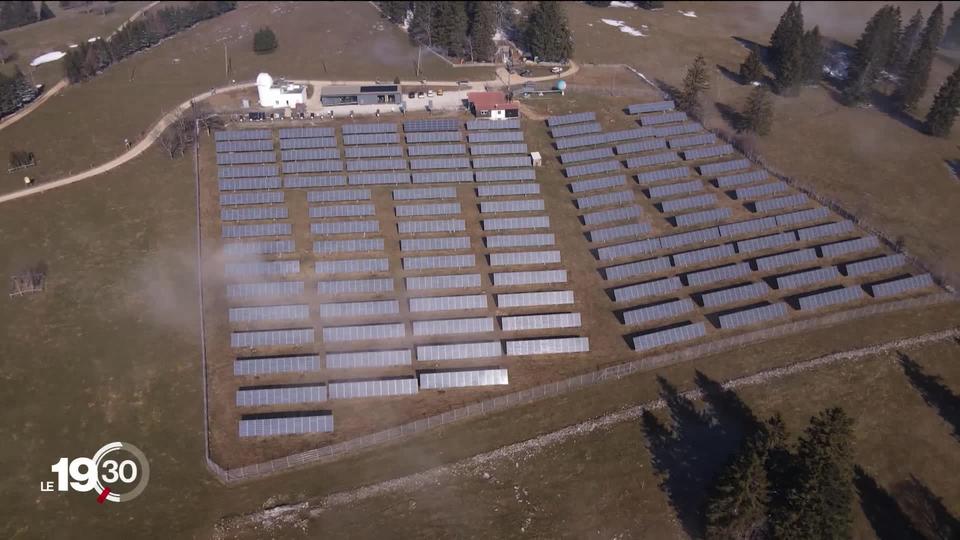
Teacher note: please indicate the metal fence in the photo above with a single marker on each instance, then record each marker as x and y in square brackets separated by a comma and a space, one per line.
[337, 451]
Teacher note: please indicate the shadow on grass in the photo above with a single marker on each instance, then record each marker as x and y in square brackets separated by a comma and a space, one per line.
[934, 392]
[731, 75]
[731, 116]
[883, 512]
[926, 510]
[690, 452]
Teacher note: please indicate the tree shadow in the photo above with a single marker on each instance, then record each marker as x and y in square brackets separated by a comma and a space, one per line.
[696, 446]
[731, 116]
[926, 511]
[731, 75]
[934, 392]
[887, 519]
[667, 88]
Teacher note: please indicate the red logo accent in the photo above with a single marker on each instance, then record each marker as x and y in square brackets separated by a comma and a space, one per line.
[103, 496]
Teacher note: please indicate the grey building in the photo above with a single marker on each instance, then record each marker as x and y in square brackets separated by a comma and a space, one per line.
[384, 94]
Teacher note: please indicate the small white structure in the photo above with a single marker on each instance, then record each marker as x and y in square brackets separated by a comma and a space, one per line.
[536, 159]
[279, 94]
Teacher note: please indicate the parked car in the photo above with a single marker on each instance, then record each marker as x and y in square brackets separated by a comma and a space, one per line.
[556, 69]
[526, 73]
[421, 95]
[412, 95]
[462, 82]
[439, 91]
[431, 93]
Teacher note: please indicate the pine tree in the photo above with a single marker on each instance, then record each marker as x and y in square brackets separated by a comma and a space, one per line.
[694, 83]
[909, 39]
[737, 506]
[913, 83]
[24, 91]
[450, 27]
[872, 52]
[944, 109]
[264, 41]
[421, 24]
[548, 36]
[395, 12]
[813, 53]
[752, 69]
[951, 38]
[758, 113]
[483, 26]
[786, 48]
[45, 12]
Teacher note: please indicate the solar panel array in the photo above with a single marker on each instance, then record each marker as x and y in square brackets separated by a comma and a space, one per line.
[576, 129]
[586, 155]
[433, 137]
[664, 118]
[286, 424]
[437, 380]
[501, 162]
[641, 146]
[482, 124]
[656, 106]
[306, 132]
[495, 137]
[246, 158]
[903, 285]
[313, 142]
[563, 120]
[354, 129]
[243, 135]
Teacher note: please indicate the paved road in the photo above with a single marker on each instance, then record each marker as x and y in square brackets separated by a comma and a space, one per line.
[168, 118]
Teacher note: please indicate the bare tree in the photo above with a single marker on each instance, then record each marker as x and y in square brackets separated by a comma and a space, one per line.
[6, 52]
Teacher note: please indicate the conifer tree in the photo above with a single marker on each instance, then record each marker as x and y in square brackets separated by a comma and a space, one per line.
[264, 41]
[944, 109]
[813, 53]
[450, 27]
[737, 507]
[909, 39]
[421, 24]
[548, 36]
[871, 53]
[45, 12]
[913, 82]
[758, 113]
[483, 26]
[694, 83]
[395, 12]
[786, 48]
[951, 37]
[752, 69]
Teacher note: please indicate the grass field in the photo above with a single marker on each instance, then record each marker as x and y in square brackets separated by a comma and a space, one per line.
[90, 129]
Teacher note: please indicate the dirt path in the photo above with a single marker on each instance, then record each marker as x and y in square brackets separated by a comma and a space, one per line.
[294, 513]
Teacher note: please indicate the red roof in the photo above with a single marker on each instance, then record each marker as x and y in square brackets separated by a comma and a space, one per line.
[486, 101]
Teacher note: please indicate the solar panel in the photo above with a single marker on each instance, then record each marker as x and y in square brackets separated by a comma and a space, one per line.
[342, 210]
[258, 248]
[634, 269]
[363, 332]
[540, 321]
[622, 231]
[448, 303]
[704, 216]
[698, 256]
[501, 162]
[442, 327]
[663, 174]
[394, 386]
[276, 364]
[592, 168]
[437, 149]
[455, 281]
[506, 175]
[767, 205]
[439, 163]
[314, 181]
[494, 136]
[657, 287]
[373, 151]
[524, 347]
[256, 197]
[362, 179]
[680, 188]
[830, 298]
[244, 146]
[459, 351]
[532, 222]
[604, 199]
[265, 289]
[708, 152]
[741, 293]
[354, 286]
[878, 264]
[271, 338]
[693, 140]
[373, 138]
[435, 225]
[247, 171]
[345, 227]
[521, 258]
[352, 266]
[262, 268]
[497, 149]
[354, 129]
[571, 119]
[652, 159]
[433, 137]
[829, 229]
[437, 124]
[586, 155]
[280, 395]
[641, 146]
[348, 246]
[755, 192]
[614, 214]
[545, 298]
[669, 336]
[751, 316]
[329, 165]
[424, 193]
[508, 190]
[312, 142]
[442, 177]
[713, 169]
[439, 261]
[686, 203]
[576, 129]
[308, 154]
[377, 165]
[243, 135]
[306, 132]
[656, 106]
[687, 238]
[339, 195]
[369, 359]
[808, 277]
[285, 424]
[766, 242]
[605, 182]
[791, 258]
[733, 180]
[246, 158]
[483, 124]
[438, 380]
[536, 277]
[748, 227]
[238, 184]
[663, 118]
[374, 308]
[676, 129]
[257, 229]
[850, 246]
[628, 134]
[523, 205]
[581, 140]
[793, 218]
[657, 312]
[629, 249]
[253, 212]
[269, 313]
[903, 285]
[715, 275]
[435, 244]
[520, 240]
[436, 209]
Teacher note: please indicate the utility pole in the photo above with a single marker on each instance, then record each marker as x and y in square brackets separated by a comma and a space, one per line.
[419, 52]
[226, 64]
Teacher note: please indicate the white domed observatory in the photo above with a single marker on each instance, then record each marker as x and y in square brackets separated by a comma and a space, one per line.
[279, 94]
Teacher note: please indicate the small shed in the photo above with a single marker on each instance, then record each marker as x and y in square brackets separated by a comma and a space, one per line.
[492, 105]
[536, 158]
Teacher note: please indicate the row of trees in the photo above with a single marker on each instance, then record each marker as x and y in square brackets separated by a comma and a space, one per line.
[16, 14]
[15, 92]
[90, 58]
[796, 56]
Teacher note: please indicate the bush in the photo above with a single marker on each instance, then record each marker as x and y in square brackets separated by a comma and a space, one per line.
[264, 41]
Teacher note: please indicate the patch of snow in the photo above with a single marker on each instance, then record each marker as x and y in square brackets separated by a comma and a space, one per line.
[589, 24]
[516, 11]
[755, 83]
[630, 5]
[687, 13]
[836, 64]
[94, 38]
[73, 45]
[624, 27]
[48, 57]
[406, 20]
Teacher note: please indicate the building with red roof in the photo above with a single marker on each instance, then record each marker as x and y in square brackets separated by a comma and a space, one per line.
[492, 105]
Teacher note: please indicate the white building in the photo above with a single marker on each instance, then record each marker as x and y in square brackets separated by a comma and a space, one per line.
[279, 94]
